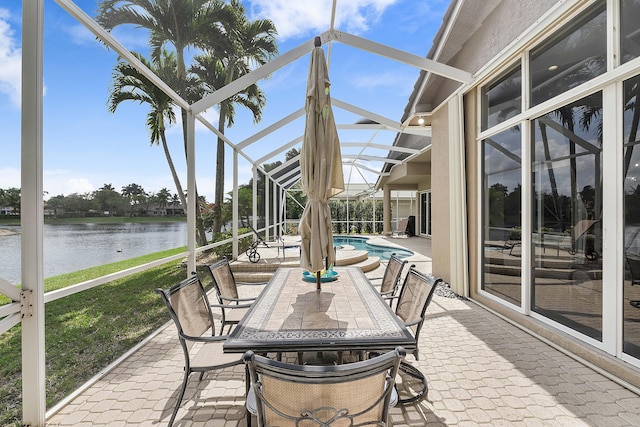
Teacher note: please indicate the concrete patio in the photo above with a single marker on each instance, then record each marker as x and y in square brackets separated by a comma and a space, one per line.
[482, 370]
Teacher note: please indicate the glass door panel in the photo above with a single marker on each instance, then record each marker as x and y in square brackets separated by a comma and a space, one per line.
[567, 213]
[501, 218]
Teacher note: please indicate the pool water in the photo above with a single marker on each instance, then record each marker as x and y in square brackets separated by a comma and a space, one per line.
[360, 243]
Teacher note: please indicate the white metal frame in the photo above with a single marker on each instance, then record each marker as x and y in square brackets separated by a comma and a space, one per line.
[32, 296]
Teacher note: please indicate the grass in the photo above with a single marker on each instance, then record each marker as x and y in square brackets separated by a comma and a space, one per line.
[86, 331]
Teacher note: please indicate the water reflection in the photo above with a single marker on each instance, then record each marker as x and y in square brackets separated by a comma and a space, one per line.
[73, 247]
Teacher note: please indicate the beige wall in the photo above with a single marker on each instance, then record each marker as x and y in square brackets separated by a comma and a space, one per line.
[440, 241]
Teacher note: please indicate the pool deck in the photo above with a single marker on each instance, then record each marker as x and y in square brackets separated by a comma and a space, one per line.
[482, 371]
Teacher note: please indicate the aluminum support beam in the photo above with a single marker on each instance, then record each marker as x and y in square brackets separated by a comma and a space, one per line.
[402, 56]
[32, 216]
[192, 202]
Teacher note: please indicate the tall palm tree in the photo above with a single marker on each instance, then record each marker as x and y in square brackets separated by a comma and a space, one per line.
[213, 75]
[201, 24]
[251, 44]
[128, 84]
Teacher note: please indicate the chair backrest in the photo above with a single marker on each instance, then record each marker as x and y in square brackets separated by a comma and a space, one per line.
[415, 296]
[634, 268]
[223, 280]
[189, 308]
[392, 273]
[304, 395]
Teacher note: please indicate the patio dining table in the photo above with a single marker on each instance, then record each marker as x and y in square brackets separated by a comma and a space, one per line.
[347, 314]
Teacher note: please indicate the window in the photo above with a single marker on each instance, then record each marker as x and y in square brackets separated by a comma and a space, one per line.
[629, 29]
[631, 185]
[575, 56]
[425, 214]
[502, 99]
[502, 189]
[566, 241]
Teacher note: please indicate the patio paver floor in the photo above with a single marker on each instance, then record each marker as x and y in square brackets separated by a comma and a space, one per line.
[481, 370]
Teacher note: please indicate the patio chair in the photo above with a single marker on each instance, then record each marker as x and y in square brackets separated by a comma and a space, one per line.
[634, 269]
[359, 393]
[390, 281]
[226, 290]
[415, 296]
[189, 308]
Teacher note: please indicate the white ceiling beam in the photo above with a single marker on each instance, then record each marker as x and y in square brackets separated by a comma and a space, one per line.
[255, 75]
[286, 176]
[367, 114]
[417, 130]
[106, 37]
[364, 126]
[285, 147]
[284, 165]
[405, 57]
[291, 181]
[381, 147]
[271, 128]
[371, 158]
[368, 169]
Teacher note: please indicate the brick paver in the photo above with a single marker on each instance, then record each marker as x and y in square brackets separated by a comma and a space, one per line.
[482, 371]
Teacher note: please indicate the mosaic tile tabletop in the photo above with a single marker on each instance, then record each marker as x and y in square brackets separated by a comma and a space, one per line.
[346, 314]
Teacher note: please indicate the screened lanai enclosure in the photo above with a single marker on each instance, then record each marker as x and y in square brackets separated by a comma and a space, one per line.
[369, 144]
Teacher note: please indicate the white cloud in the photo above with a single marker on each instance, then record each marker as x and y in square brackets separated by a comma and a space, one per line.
[57, 182]
[298, 18]
[10, 60]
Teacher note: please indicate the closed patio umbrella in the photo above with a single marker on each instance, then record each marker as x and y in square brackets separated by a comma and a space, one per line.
[320, 168]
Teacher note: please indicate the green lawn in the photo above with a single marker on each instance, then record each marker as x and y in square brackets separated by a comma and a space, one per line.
[87, 331]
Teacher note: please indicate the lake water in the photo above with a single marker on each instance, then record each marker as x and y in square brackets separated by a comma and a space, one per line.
[74, 247]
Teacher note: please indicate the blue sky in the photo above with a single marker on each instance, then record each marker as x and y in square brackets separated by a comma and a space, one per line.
[86, 147]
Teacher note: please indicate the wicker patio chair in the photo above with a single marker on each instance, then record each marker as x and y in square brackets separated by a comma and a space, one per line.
[190, 310]
[391, 279]
[355, 394]
[226, 290]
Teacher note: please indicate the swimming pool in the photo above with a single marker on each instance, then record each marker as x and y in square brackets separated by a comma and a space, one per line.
[360, 243]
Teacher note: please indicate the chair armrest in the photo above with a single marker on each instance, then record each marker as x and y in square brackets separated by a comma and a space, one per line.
[252, 283]
[237, 300]
[207, 338]
[415, 322]
[225, 306]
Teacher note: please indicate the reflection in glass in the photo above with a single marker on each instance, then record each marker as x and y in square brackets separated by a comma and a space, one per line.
[630, 29]
[631, 287]
[501, 208]
[575, 56]
[567, 212]
[502, 100]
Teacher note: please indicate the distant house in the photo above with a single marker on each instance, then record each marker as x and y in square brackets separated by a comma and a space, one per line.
[170, 210]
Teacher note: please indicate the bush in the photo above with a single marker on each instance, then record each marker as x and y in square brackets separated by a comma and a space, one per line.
[224, 250]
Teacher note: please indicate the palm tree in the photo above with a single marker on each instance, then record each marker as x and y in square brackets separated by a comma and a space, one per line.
[201, 24]
[128, 84]
[163, 196]
[212, 73]
[251, 44]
